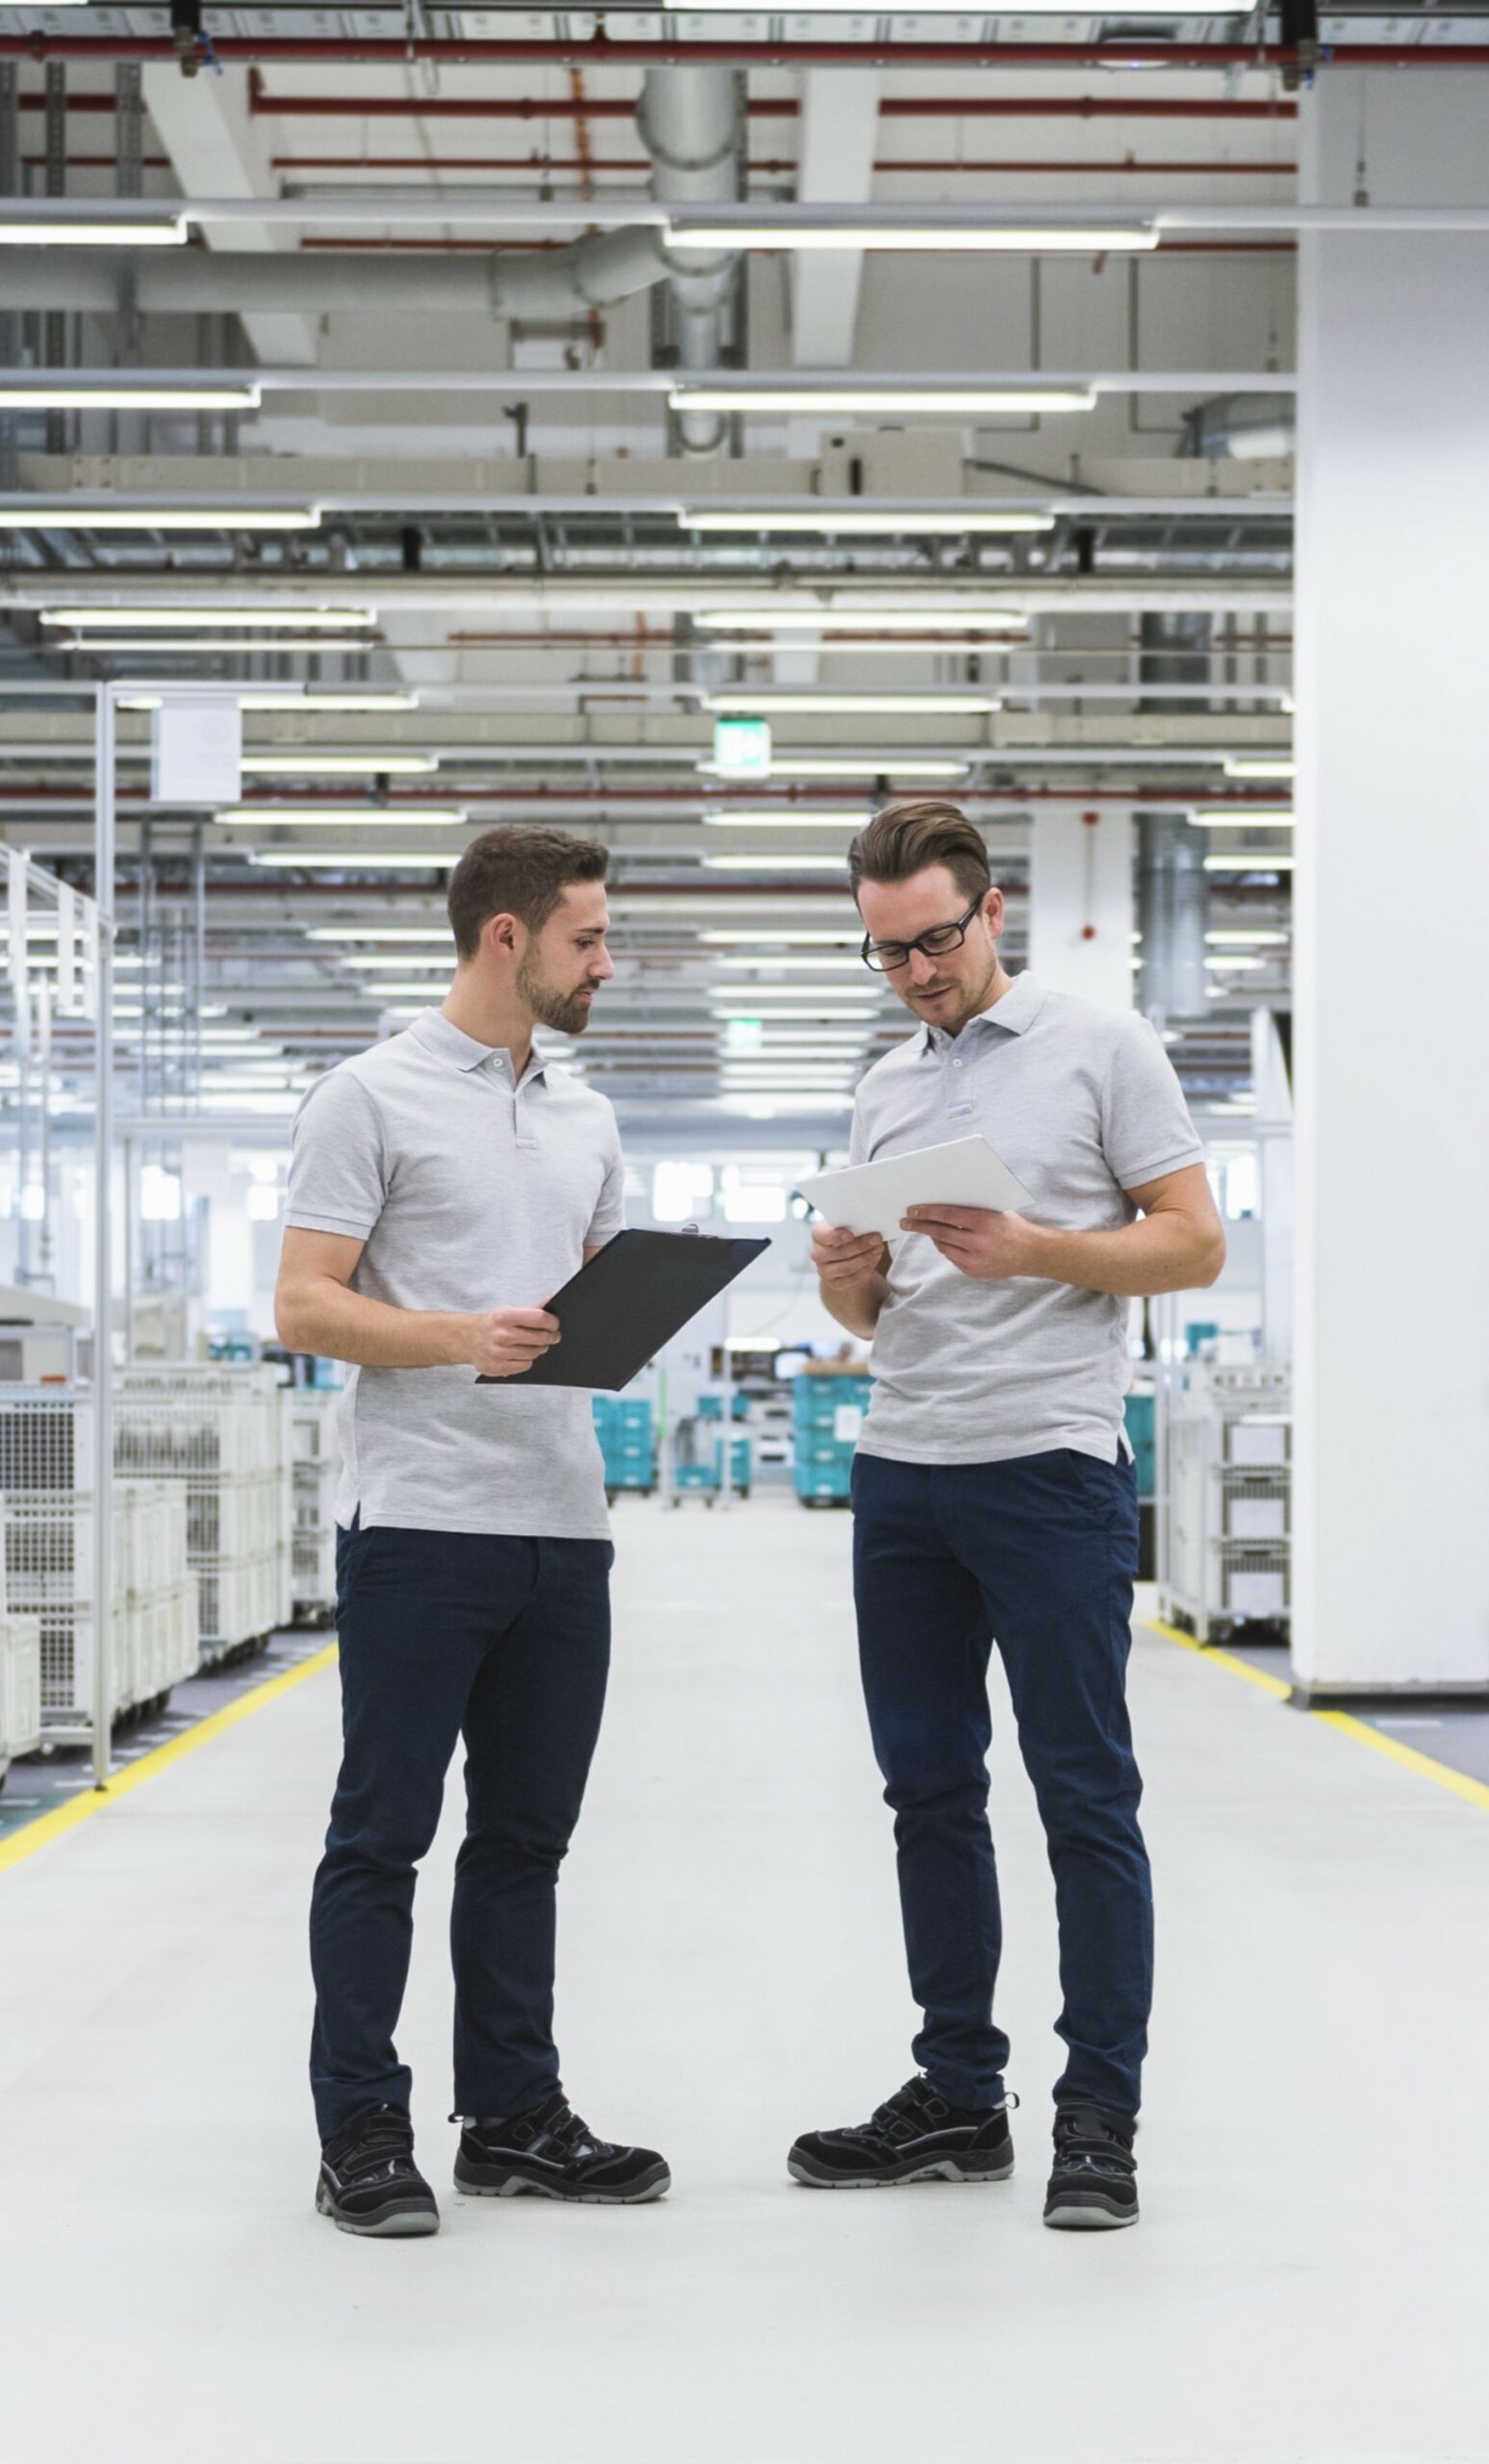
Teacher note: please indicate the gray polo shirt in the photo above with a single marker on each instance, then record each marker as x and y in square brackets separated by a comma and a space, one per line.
[469, 1192]
[1084, 1105]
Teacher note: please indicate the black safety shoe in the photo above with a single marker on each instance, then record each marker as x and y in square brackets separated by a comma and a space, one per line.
[1094, 2184]
[369, 2182]
[915, 2136]
[551, 2153]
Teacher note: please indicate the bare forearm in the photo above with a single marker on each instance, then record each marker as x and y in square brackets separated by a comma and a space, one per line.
[322, 1316]
[1158, 1253]
[856, 1306]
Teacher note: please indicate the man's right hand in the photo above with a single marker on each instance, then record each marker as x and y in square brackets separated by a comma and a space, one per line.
[843, 1259]
[504, 1342]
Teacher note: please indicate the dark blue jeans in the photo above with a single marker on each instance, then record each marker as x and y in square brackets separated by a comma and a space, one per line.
[445, 1636]
[1038, 1555]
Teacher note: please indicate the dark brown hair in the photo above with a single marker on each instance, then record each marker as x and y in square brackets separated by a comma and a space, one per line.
[914, 832]
[520, 872]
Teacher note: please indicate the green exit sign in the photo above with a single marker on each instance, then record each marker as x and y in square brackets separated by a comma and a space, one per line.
[741, 748]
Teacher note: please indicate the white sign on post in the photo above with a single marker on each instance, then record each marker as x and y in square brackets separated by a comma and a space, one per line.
[196, 751]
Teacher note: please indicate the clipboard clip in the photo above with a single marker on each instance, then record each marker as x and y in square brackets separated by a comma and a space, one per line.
[691, 1227]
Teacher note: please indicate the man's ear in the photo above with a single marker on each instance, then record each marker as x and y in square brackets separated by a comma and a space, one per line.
[500, 933]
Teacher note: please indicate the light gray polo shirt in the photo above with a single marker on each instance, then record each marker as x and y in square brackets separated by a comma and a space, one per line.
[1084, 1105]
[471, 1192]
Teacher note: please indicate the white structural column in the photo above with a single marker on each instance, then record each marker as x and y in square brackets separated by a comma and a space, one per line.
[217, 148]
[839, 124]
[1391, 1575]
[1080, 904]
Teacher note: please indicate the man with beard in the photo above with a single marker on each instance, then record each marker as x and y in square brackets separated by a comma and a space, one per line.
[994, 1501]
[443, 1186]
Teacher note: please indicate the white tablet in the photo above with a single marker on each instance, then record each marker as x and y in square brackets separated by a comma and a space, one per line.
[872, 1197]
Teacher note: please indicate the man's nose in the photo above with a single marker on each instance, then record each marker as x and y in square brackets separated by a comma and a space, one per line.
[605, 967]
[922, 968]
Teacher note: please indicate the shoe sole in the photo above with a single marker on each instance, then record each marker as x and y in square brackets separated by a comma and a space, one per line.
[393, 2224]
[507, 2185]
[1088, 2216]
[948, 2170]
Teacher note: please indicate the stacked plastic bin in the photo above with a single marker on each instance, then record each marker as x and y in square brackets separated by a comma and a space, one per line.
[829, 1416]
[20, 1688]
[626, 1427]
[315, 1466]
[220, 1431]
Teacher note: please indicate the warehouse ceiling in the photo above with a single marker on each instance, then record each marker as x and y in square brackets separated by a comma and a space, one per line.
[386, 387]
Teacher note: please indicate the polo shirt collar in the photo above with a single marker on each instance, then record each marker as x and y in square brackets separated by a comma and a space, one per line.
[1016, 1013]
[441, 1035]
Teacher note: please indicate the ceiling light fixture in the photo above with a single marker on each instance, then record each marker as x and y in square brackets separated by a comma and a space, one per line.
[379, 933]
[738, 1010]
[166, 619]
[1254, 766]
[54, 394]
[1258, 862]
[785, 820]
[1235, 963]
[857, 619]
[784, 933]
[305, 764]
[765, 704]
[1242, 818]
[56, 517]
[892, 518]
[855, 765]
[827, 863]
[344, 816]
[355, 859]
[843, 401]
[1032, 238]
[253, 699]
[1241, 939]
[39, 234]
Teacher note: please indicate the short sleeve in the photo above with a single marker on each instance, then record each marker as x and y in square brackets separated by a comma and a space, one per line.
[609, 1216]
[338, 1172]
[1145, 1126]
[857, 1135]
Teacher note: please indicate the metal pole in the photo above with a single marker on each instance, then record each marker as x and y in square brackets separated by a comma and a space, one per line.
[103, 1239]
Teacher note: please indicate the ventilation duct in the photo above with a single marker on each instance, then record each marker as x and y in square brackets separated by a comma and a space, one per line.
[691, 123]
[1242, 428]
[1172, 884]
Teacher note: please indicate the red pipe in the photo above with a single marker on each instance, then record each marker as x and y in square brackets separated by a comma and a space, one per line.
[604, 49]
[762, 107]
[641, 168]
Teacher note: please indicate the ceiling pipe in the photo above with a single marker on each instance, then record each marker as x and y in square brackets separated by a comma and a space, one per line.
[692, 124]
[262, 104]
[595, 272]
[601, 49]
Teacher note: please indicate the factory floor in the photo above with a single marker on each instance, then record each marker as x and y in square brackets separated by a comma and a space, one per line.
[1309, 2281]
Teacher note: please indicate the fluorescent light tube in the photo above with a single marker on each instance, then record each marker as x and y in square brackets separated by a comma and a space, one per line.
[742, 1011]
[828, 863]
[345, 816]
[93, 234]
[250, 698]
[1257, 861]
[929, 402]
[122, 393]
[892, 518]
[1233, 964]
[786, 820]
[392, 961]
[1239, 819]
[55, 516]
[765, 704]
[1026, 8]
[356, 860]
[932, 613]
[858, 766]
[161, 620]
[379, 933]
[850, 963]
[306, 765]
[784, 933]
[1244, 939]
[1250, 766]
[1030, 239]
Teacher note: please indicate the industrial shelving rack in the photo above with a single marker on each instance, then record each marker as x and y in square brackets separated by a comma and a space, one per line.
[1224, 1498]
[315, 1464]
[220, 1431]
[48, 1562]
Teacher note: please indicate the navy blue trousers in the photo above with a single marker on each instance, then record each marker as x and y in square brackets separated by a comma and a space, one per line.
[1040, 1555]
[445, 1636]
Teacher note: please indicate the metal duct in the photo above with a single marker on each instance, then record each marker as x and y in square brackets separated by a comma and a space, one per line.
[692, 123]
[596, 271]
[1172, 884]
[1242, 428]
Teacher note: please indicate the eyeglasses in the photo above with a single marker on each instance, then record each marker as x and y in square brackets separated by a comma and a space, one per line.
[886, 957]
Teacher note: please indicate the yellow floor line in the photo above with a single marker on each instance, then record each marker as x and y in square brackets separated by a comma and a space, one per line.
[82, 1808]
[1458, 1783]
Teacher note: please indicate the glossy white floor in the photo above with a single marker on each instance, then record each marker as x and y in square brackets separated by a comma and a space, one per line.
[1309, 2280]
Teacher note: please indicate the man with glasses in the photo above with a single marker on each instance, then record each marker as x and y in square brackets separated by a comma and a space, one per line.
[994, 1501]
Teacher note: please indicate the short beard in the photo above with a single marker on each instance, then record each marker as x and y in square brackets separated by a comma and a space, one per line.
[566, 1013]
[974, 1002]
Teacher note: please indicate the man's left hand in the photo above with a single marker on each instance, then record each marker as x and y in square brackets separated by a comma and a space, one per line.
[978, 1242]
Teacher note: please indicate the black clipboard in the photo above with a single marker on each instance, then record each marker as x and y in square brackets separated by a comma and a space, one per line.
[634, 1295]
